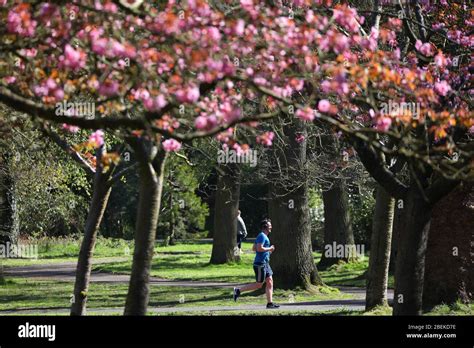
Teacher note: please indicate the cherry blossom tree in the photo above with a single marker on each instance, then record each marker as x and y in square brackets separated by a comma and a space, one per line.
[166, 73]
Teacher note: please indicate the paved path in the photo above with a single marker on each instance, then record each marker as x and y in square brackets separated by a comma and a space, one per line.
[66, 272]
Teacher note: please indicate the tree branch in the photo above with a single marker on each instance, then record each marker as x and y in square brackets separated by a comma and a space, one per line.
[379, 170]
[68, 149]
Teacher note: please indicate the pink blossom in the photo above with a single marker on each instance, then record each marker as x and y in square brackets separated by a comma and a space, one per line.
[200, 122]
[69, 128]
[440, 60]
[383, 123]
[58, 94]
[347, 17]
[260, 81]
[239, 27]
[171, 145]
[9, 79]
[213, 34]
[96, 139]
[266, 139]
[73, 59]
[99, 46]
[109, 88]
[153, 103]
[424, 48]
[19, 21]
[442, 88]
[324, 105]
[299, 138]
[188, 95]
[306, 114]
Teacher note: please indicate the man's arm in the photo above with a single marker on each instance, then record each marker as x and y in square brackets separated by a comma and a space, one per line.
[261, 248]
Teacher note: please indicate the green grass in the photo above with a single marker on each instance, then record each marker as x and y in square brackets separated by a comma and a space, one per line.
[456, 308]
[349, 274]
[20, 293]
[185, 261]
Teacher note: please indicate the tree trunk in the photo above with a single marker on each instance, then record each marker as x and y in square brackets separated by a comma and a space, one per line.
[100, 197]
[410, 266]
[449, 274]
[292, 261]
[150, 190]
[9, 224]
[169, 237]
[337, 223]
[224, 243]
[379, 259]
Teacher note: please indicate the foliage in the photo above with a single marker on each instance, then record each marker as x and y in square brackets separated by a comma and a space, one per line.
[181, 208]
[50, 191]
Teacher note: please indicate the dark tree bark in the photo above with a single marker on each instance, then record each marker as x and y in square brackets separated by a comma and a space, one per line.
[151, 173]
[9, 224]
[100, 197]
[377, 278]
[449, 273]
[224, 243]
[422, 192]
[337, 222]
[410, 266]
[292, 261]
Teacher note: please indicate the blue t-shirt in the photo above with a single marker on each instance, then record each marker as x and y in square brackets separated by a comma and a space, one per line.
[264, 256]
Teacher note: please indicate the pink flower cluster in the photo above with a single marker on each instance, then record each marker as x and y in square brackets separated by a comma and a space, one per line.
[425, 49]
[19, 21]
[150, 103]
[299, 138]
[440, 60]
[171, 145]
[338, 84]
[383, 123]
[69, 128]
[96, 139]
[111, 48]
[348, 18]
[266, 139]
[109, 88]
[306, 114]
[49, 87]
[189, 94]
[324, 105]
[442, 88]
[73, 59]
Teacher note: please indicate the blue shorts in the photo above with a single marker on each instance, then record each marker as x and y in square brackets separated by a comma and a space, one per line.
[262, 272]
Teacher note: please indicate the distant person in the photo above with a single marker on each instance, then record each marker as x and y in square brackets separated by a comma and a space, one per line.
[241, 231]
[261, 265]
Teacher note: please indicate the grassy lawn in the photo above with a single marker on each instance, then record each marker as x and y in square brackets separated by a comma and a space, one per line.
[187, 261]
[19, 293]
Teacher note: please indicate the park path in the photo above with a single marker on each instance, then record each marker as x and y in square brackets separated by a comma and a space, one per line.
[65, 272]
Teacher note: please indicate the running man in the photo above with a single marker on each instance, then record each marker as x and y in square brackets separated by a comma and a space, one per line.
[261, 265]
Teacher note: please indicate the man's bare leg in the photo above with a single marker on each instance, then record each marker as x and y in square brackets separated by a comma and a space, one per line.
[269, 290]
[250, 287]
